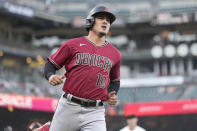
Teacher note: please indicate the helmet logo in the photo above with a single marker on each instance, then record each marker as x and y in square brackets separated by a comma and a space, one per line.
[107, 9]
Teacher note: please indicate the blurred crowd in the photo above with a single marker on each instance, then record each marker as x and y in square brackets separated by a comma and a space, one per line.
[26, 82]
[30, 81]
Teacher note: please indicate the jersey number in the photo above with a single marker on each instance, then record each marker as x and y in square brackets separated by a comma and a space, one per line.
[101, 81]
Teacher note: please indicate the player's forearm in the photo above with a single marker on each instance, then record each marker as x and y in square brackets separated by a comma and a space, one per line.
[49, 70]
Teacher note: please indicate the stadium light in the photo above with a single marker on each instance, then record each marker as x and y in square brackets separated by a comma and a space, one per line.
[183, 50]
[193, 49]
[1, 53]
[156, 52]
[39, 58]
[28, 60]
[169, 51]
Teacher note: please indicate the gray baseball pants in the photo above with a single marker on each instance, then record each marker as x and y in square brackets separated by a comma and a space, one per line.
[70, 116]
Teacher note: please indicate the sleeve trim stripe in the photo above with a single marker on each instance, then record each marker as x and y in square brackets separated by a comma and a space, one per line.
[53, 62]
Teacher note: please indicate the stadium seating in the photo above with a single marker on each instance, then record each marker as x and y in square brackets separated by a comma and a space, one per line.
[148, 94]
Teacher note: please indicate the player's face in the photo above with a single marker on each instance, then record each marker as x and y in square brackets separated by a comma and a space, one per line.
[132, 123]
[102, 24]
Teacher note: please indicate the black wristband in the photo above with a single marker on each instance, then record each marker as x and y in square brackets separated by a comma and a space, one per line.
[49, 70]
[114, 86]
[49, 75]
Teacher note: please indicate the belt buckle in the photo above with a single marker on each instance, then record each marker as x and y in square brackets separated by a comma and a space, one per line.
[83, 103]
[87, 104]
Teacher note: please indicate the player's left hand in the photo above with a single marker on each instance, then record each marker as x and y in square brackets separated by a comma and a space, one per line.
[112, 98]
[56, 79]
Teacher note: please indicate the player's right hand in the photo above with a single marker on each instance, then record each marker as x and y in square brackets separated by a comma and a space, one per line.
[112, 98]
[56, 79]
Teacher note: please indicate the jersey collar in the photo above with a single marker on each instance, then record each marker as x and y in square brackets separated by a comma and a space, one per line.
[95, 44]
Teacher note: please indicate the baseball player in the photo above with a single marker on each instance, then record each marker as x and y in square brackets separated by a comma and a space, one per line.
[92, 76]
[132, 124]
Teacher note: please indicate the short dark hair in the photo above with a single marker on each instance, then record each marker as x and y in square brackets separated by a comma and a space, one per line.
[131, 116]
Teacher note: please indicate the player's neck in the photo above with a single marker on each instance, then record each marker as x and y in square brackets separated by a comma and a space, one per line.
[98, 40]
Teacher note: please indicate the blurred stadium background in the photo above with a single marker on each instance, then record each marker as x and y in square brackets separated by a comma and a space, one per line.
[158, 42]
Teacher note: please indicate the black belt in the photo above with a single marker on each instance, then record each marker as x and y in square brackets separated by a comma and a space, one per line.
[82, 102]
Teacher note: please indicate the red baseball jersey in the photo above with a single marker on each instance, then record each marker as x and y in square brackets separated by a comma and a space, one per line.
[89, 68]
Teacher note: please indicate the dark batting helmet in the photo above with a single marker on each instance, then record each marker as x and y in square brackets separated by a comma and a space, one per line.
[99, 9]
